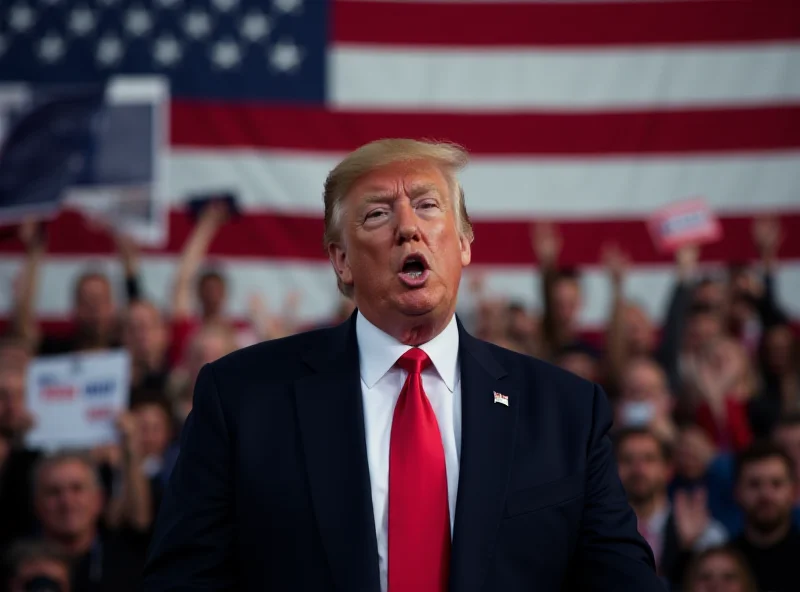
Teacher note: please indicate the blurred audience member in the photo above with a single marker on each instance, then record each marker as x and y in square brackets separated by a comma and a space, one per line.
[673, 530]
[37, 566]
[208, 344]
[720, 569]
[69, 505]
[580, 360]
[766, 488]
[146, 338]
[644, 400]
[561, 293]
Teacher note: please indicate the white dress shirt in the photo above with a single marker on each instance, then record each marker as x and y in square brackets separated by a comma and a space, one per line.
[381, 383]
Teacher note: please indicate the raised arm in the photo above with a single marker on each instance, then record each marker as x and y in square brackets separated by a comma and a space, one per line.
[33, 237]
[211, 219]
[616, 344]
[191, 548]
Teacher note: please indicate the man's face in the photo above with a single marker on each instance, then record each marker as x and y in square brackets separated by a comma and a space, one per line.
[642, 468]
[766, 493]
[145, 332]
[702, 331]
[211, 293]
[719, 573]
[639, 330]
[94, 306]
[68, 499]
[154, 429]
[566, 301]
[643, 388]
[778, 344]
[400, 249]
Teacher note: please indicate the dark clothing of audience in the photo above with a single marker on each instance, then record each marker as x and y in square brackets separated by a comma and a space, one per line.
[774, 567]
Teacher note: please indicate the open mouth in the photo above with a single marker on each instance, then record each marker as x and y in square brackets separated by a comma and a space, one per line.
[414, 271]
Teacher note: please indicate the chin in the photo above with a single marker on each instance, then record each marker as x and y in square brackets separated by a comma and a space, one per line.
[418, 302]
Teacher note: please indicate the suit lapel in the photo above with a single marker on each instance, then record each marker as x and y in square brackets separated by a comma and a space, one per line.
[331, 420]
[487, 442]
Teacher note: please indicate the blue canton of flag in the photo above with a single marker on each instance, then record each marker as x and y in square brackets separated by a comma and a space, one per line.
[257, 50]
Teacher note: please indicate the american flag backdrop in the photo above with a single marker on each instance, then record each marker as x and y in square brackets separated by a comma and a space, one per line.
[591, 113]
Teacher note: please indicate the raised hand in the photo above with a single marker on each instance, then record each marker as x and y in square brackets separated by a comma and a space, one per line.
[546, 242]
[691, 516]
[616, 262]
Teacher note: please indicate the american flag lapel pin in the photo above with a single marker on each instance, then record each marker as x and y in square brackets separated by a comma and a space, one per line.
[502, 399]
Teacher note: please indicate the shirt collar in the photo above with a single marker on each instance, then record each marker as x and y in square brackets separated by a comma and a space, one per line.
[378, 352]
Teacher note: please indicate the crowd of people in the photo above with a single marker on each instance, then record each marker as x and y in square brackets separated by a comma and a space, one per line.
[706, 403]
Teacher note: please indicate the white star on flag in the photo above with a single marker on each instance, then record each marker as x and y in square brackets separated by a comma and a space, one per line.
[138, 21]
[255, 26]
[285, 56]
[21, 18]
[167, 50]
[197, 24]
[109, 50]
[226, 54]
[51, 48]
[81, 21]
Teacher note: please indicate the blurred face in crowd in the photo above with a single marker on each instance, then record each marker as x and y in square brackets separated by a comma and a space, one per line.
[209, 344]
[144, 332]
[693, 452]
[211, 293]
[14, 355]
[12, 399]
[644, 395]
[522, 324]
[711, 294]
[566, 301]
[155, 429]
[401, 250]
[766, 493]
[779, 349]
[788, 438]
[581, 364]
[719, 572]
[703, 329]
[94, 304]
[57, 571]
[639, 330]
[643, 470]
[68, 500]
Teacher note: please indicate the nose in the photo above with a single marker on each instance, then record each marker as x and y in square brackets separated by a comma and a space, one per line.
[407, 222]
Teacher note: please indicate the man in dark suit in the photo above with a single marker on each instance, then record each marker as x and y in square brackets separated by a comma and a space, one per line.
[396, 452]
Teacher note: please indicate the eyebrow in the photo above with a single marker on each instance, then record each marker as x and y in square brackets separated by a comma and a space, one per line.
[378, 196]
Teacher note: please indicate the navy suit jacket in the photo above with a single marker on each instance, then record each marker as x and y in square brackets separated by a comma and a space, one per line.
[271, 490]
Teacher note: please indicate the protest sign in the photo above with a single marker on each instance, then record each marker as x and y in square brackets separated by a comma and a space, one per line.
[76, 399]
[682, 223]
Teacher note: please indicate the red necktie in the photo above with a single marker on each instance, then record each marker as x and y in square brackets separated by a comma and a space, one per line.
[419, 516]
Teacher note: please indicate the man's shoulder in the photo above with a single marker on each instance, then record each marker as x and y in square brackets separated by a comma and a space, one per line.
[534, 368]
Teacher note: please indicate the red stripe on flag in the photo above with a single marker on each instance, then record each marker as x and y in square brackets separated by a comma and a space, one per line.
[565, 24]
[273, 236]
[745, 129]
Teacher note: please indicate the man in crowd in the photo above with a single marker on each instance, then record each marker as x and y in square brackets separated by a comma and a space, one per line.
[766, 487]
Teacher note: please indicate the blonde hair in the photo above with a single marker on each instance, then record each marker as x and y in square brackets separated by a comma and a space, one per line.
[449, 158]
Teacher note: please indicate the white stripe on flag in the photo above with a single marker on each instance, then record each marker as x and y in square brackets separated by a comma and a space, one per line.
[364, 77]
